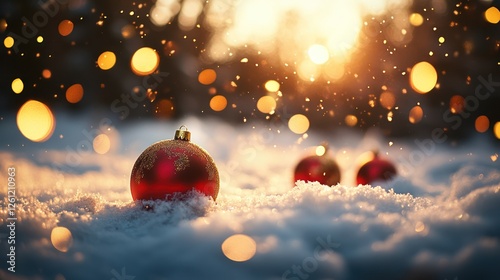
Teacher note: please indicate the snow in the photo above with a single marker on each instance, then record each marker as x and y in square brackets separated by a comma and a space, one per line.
[436, 220]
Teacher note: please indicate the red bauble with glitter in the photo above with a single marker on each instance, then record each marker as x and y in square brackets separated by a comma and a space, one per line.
[375, 170]
[173, 167]
[320, 167]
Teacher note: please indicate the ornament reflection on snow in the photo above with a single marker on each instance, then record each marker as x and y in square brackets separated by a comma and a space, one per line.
[173, 167]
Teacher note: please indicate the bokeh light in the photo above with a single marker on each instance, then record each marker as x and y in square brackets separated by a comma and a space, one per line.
[144, 61]
[3, 25]
[492, 15]
[165, 109]
[46, 73]
[334, 71]
[457, 104]
[8, 42]
[318, 54]
[266, 104]
[163, 11]
[272, 86]
[218, 103]
[416, 19]
[65, 27]
[423, 77]
[101, 144]
[207, 77]
[74, 93]
[128, 31]
[239, 247]
[106, 60]
[17, 85]
[61, 238]
[416, 114]
[351, 120]
[419, 227]
[189, 13]
[496, 130]
[482, 124]
[308, 71]
[387, 100]
[320, 150]
[39, 39]
[298, 124]
[35, 121]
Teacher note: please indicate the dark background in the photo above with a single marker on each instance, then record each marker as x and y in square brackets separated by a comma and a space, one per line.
[471, 42]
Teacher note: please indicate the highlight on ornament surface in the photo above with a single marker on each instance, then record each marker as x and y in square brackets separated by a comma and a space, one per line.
[170, 168]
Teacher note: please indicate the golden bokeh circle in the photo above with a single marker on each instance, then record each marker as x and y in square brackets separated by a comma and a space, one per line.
[35, 121]
[239, 247]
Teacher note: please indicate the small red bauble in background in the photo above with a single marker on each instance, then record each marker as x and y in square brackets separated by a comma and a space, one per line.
[375, 169]
[172, 167]
[320, 167]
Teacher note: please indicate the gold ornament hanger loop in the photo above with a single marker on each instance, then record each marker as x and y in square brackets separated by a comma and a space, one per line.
[181, 134]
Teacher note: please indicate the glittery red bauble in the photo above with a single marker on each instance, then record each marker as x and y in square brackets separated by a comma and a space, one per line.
[377, 169]
[322, 168]
[171, 167]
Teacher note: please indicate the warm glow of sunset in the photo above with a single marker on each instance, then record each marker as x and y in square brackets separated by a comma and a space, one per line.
[312, 31]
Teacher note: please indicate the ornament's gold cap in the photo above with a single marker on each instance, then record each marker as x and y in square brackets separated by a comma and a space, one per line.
[182, 134]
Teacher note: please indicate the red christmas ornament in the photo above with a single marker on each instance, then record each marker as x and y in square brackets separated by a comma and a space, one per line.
[320, 167]
[174, 166]
[376, 169]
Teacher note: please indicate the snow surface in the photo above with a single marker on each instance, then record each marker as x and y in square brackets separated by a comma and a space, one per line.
[437, 220]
